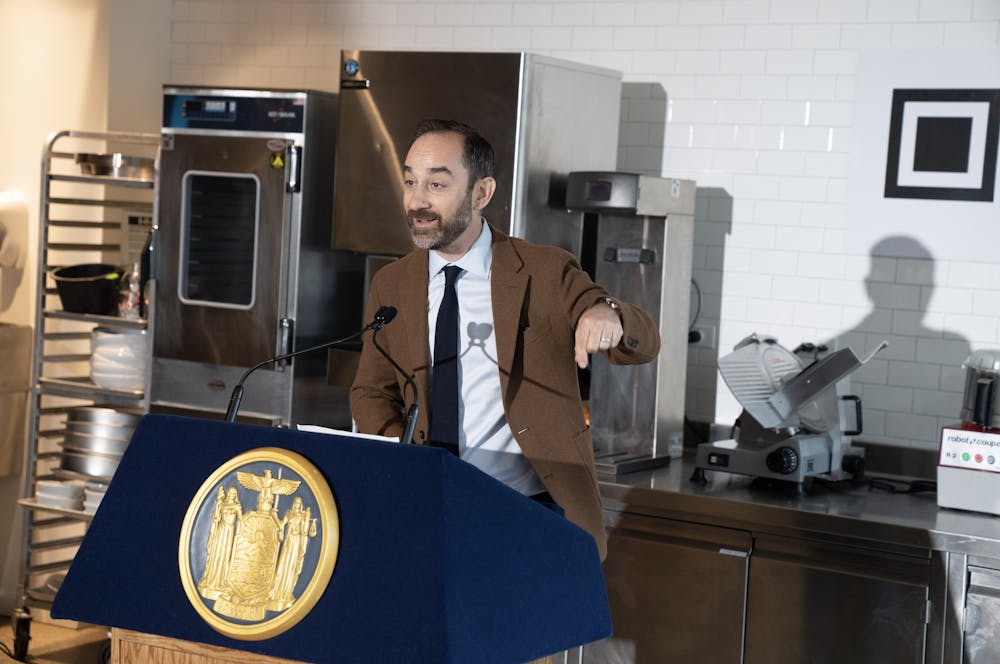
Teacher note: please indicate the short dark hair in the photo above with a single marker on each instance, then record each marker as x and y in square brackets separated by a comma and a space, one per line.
[477, 156]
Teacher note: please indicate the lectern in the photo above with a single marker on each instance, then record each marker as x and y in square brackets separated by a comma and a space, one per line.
[436, 561]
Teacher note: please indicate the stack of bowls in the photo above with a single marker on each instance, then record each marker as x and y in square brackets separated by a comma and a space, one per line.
[93, 494]
[54, 493]
[118, 358]
[95, 440]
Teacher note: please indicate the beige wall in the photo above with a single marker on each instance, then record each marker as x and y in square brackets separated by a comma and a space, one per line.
[67, 64]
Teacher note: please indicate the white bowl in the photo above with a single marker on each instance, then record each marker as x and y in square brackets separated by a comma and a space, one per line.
[117, 361]
[72, 489]
[117, 382]
[117, 370]
[107, 337]
[64, 502]
[95, 487]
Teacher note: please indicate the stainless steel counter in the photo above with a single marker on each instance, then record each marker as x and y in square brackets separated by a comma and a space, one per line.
[905, 520]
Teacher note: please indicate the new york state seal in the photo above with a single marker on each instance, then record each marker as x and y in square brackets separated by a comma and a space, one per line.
[259, 543]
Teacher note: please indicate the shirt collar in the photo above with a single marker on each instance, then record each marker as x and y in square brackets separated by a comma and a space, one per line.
[477, 260]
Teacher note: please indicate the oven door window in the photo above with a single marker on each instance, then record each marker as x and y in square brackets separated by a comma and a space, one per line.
[219, 232]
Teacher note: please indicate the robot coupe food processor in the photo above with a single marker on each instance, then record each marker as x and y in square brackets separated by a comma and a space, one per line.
[968, 474]
[790, 426]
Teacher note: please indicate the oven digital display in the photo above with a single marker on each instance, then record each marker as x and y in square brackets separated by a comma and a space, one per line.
[223, 110]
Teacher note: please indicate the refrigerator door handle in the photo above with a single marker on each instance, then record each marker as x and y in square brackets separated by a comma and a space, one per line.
[286, 329]
[293, 165]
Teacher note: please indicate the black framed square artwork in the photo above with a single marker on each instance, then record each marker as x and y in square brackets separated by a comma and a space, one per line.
[943, 144]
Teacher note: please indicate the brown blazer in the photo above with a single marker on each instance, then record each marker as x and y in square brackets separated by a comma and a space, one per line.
[539, 293]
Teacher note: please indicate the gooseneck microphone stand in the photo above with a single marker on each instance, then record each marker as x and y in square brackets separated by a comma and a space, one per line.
[414, 409]
[382, 317]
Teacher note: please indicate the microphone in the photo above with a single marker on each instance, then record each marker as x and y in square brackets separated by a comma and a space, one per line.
[383, 316]
[414, 409]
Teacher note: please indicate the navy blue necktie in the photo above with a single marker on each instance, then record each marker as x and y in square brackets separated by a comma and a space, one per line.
[444, 380]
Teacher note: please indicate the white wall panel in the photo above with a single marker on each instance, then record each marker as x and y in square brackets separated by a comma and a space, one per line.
[759, 110]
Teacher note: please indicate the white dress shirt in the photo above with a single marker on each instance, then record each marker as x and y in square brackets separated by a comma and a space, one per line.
[484, 437]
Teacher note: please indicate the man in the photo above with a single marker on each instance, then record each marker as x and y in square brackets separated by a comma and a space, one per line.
[528, 316]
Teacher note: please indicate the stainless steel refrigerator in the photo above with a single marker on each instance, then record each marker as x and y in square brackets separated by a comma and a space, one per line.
[544, 117]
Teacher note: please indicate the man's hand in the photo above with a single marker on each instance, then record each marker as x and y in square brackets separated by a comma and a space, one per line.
[599, 328]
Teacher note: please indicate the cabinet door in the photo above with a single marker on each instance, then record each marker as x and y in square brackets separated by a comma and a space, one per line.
[981, 643]
[677, 592]
[832, 603]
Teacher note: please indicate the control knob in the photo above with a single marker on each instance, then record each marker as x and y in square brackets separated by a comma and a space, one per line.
[783, 461]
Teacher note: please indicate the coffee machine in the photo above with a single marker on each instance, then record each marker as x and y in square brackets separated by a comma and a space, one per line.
[636, 242]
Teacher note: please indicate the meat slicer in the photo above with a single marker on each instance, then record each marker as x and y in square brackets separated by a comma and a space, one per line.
[790, 425]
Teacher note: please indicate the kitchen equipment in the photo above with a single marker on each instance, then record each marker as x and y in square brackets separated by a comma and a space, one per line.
[94, 443]
[979, 402]
[88, 463]
[639, 231]
[113, 431]
[790, 426]
[116, 165]
[92, 499]
[118, 358]
[65, 494]
[968, 473]
[243, 259]
[91, 288]
[109, 416]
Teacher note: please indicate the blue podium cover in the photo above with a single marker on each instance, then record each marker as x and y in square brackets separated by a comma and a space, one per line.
[438, 562]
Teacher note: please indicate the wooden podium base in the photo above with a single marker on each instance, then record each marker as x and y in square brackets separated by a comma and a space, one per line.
[128, 647]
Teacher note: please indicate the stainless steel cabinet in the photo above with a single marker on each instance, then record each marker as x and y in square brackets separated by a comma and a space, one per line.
[676, 591]
[981, 636]
[812, 601]
[691, 592]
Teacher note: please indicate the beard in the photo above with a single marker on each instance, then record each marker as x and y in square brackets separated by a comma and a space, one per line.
[446, 231]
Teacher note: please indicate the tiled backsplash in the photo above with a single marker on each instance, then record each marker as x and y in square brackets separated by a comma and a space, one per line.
[754, 100]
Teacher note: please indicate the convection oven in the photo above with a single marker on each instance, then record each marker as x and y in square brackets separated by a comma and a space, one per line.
[242, 254]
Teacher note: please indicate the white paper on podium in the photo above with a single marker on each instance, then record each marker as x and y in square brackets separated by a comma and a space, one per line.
[315, 428]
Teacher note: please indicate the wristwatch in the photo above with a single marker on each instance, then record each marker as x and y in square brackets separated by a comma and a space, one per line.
[614, 305]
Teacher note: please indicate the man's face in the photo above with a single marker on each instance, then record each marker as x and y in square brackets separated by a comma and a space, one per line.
[437, 194]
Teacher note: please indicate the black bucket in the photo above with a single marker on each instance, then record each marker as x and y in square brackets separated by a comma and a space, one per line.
[91, 288]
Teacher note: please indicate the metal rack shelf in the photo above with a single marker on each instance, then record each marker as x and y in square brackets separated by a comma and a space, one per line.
[85, 388]
[31, 503]
[106, 180]
[83, 219]
[103, 321]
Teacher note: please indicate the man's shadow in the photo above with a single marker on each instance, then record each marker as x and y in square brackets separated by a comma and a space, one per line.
[914, 386]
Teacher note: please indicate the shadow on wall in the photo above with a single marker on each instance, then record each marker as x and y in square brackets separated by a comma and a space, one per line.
[914, 386]
[13, 244]
[713, 223]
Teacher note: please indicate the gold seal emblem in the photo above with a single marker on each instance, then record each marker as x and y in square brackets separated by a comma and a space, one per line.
[259, 543]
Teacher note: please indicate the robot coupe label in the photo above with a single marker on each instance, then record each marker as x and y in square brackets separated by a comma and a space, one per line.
[975, 450]
[253, 565]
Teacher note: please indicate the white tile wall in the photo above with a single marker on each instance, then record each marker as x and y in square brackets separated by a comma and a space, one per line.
[759, 111]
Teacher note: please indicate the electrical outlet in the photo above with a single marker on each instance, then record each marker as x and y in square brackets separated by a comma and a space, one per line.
[706, 336]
